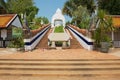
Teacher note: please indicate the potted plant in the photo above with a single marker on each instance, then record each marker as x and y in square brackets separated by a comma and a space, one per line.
[104, 26]
[105, 43]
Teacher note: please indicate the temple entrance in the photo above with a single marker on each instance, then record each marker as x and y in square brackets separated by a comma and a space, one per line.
[58, 22]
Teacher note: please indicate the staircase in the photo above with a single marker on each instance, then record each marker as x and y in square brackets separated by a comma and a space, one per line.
[94, 69]
[43, 44]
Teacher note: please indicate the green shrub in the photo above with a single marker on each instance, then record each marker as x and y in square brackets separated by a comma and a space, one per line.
[59, 29]
[33, 27]
[58, 43]
[17, 42]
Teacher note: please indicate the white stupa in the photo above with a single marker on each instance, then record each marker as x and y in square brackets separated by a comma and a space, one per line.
[58, 19]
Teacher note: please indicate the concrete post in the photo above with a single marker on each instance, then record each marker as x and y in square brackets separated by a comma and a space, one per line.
[53, 44]
[64, 44]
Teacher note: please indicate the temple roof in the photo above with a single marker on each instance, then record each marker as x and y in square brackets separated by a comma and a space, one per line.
[8, 19]
[58, 15]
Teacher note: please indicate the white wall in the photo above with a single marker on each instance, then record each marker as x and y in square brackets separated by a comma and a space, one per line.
[82, 42]
[34, 44]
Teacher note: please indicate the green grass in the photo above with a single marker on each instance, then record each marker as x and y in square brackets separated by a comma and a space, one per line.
[59, 29]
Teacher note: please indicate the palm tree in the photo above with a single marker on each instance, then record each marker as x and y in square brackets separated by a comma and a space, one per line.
[105, 23]
[71, 8]
[104, 26]
[71, 5]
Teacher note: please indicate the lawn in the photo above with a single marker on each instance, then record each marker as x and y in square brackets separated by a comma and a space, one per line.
[59, 29]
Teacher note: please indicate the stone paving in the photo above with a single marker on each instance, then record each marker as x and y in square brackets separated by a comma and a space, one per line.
[69, 54]
[42, 52]
[59, 54]
[114, 51]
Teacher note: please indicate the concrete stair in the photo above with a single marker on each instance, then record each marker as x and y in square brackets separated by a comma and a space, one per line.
[74, 43]
[60, 67]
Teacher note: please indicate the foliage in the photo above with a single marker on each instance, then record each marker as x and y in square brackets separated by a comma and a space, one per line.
[20, 7]
[73, 9]
[68, 22]
[71, 5]
[17, 42]
[31, 12]
[59, 29]
[17, 39]
[33, 26]
[16, 32]
[81, 15]
[105, 25]
[45, 20]
[39, 20]
[111, 6]
[58, 43]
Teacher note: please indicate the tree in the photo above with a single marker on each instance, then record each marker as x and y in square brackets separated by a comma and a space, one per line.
[71, 5]
[82, 17]
[45, 20]
[111, 6]
[16, 6]
[72, 9]
[19, 6]
[31, 12]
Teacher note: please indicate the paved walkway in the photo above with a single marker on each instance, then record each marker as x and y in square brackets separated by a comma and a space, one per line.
[43, 44]
[75, 63]
[114, 51]
[59, 54]
[4, 51]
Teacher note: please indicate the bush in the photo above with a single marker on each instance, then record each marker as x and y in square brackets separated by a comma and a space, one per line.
[58, 43]
[59, 29]
[33, 27]
[17, 42]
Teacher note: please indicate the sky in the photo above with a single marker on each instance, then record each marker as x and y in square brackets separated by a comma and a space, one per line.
[47, 8]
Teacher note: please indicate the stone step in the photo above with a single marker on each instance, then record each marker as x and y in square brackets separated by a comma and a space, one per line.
[60, 73]
[60, 63]
[61, 67]
[59, 59]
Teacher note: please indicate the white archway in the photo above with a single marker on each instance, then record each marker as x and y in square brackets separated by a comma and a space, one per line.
[58, 19]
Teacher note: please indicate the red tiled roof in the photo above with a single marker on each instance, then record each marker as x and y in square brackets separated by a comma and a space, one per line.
[6, 19]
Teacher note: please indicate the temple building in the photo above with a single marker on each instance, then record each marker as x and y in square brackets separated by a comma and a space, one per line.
[7, 22]
[58, 19]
